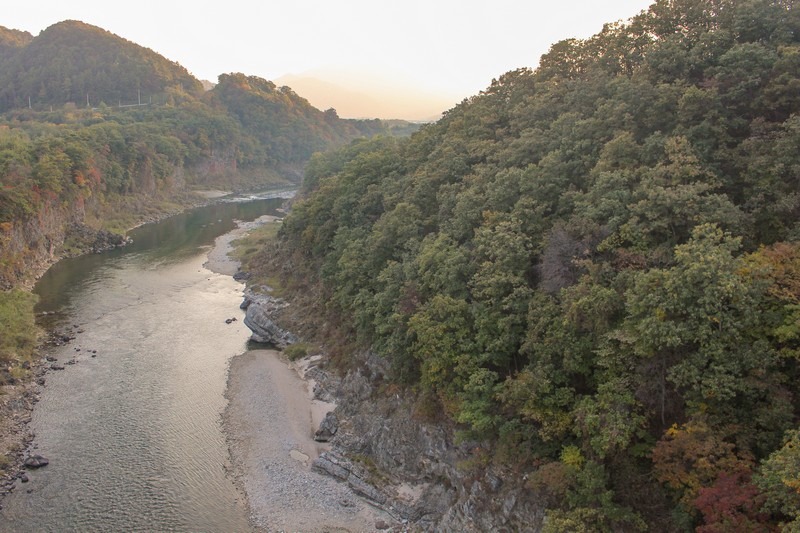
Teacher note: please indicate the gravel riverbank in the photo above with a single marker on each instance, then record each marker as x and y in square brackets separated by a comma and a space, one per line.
[270, 426]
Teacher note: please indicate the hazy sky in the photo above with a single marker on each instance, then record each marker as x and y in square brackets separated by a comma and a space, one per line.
[450, 46]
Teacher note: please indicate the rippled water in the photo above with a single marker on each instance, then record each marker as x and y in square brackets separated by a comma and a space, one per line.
[134, 434]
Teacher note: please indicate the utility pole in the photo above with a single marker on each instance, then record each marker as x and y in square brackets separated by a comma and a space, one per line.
[139, 94]
[29, 103]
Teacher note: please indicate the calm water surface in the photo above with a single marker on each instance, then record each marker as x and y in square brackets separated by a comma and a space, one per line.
[134, 434]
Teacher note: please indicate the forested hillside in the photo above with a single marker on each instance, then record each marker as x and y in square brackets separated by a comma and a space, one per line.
[288, 127]
[11, 41]
[594, 268]
[72, 62]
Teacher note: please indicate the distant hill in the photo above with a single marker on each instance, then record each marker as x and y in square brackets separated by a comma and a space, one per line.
[357, 97]
[289, 128]
[72, 60]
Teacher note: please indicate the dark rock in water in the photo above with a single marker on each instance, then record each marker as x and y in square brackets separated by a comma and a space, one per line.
[230, 320]
[41, 381]
[327, 428]
[24, 477]
[56, 366]
[51, 359]
[36, 461]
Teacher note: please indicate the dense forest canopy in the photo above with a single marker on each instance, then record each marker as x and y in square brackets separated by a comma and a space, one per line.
[595, 266]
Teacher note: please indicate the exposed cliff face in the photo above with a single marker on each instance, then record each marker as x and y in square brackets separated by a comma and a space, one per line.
[63, 226]
[413, 468]
[29, 246]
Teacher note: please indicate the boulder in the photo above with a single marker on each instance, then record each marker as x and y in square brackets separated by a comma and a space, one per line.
[259, 318]
[242, 276]
[36, 461]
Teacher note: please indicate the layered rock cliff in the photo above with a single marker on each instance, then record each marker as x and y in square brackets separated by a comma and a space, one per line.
[418, 469]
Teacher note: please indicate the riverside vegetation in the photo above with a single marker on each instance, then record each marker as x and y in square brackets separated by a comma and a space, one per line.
[591, 269]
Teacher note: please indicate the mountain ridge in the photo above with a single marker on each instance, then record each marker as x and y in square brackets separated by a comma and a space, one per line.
[75, 62]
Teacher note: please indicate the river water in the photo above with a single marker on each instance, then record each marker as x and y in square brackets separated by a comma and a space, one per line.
[133, 431]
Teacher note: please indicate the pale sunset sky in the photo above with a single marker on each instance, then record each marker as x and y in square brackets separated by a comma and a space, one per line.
[448, 48]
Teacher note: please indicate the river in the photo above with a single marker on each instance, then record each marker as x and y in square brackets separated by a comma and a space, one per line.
[133, 431]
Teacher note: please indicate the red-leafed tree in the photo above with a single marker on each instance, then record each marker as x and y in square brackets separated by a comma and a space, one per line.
[732, 504]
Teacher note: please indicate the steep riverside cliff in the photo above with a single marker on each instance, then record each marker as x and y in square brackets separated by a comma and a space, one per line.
[413, 468]
[29, 246]
[74, 223]
[417, 469]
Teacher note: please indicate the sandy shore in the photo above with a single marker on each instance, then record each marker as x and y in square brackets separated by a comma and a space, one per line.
[218, 259]
[269, 422]
[213, 194]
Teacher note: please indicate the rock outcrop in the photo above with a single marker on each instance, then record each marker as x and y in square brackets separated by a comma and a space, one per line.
[327, 428]
[413, 469]
[36, 461]
[262, 310]
[87, 239]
